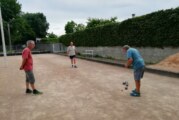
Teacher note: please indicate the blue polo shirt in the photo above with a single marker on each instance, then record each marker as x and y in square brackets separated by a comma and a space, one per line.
[138, 61]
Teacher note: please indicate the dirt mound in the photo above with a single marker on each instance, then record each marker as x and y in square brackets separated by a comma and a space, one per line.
[171, 63]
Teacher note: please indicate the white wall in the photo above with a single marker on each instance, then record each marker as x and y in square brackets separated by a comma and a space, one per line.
[150, 55]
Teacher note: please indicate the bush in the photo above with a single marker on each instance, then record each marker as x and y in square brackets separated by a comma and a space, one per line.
[49, 40]
[158, 29]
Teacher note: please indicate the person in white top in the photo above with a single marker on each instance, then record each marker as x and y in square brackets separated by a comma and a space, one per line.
[71, 51]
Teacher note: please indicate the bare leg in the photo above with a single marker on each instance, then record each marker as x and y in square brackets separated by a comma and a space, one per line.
[74, 61]
[71, 61]
[32, 86]
[27, 85]
[137, 82]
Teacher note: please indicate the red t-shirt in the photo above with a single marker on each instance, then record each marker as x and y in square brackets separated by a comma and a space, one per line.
[26, 54]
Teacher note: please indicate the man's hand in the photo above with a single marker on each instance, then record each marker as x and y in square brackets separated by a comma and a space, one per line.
[129, 62]
[126, 66]
[21, 68]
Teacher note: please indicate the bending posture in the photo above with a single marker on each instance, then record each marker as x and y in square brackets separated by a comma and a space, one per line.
[137, 61]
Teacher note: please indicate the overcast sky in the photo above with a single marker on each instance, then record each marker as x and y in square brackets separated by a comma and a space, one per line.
[59, 12]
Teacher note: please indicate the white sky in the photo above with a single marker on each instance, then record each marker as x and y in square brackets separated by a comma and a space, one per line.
[59, 12]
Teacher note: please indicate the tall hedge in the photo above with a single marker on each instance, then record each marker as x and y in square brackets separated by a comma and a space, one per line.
[158, 29]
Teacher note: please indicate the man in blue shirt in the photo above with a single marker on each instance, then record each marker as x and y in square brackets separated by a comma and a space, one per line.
[136, 60]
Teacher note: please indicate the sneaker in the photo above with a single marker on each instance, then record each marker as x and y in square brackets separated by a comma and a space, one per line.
[36, 92]
[28, 91]
[72, 66]
[75, 66]
[136, 94]
[134, 91]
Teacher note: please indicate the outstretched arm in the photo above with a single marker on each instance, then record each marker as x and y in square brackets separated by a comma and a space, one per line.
[129, 62]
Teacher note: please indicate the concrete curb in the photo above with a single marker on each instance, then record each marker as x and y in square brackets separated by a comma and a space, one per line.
[150, 70]
[20, 53]
[162, 72]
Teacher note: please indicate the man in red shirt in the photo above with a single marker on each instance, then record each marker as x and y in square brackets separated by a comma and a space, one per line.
[27, 66]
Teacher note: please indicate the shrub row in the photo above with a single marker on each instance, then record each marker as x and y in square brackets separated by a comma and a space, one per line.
[158, 29]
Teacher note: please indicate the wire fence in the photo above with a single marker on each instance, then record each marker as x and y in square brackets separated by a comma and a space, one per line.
[41, 48]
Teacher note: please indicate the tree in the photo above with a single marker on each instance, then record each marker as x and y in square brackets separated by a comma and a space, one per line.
[52, 35]
[93, 22]
[38, 23]
[70, 27]
[23, 26]
[10, 9]
[21, 31]
[79, 27]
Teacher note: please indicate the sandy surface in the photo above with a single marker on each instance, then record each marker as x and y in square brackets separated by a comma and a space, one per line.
[90, 92]
[171, 63]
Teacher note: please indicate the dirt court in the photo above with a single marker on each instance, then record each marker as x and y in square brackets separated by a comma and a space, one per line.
[90, 92]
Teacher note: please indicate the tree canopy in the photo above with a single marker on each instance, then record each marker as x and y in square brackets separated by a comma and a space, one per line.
[157, 29]
[94, 22]
[38, 23]
[10, 9]
[70, 27]
[23, 26]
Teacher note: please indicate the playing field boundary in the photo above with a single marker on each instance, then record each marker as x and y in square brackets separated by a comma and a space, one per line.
[20, 53]
[121, 64]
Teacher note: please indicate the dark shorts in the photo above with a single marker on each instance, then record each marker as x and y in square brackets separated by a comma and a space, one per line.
[73, 56]
[30, 77]
[139, 73]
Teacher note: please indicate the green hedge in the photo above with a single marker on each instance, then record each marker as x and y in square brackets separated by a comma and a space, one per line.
[158, 29]
[49, 40]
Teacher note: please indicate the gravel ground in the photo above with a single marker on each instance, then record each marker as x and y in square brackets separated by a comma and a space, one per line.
[93, 91]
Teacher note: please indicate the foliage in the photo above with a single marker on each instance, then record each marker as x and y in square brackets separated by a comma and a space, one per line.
[23, 26]
[21, 31]
[38, 23]
[157, 29]
[10, 9]
[94, 22]
[52, 35]
[79, 27]
[70, 27]
[49, 40]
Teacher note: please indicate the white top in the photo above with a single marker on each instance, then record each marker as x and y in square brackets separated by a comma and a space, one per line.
[71, 50]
